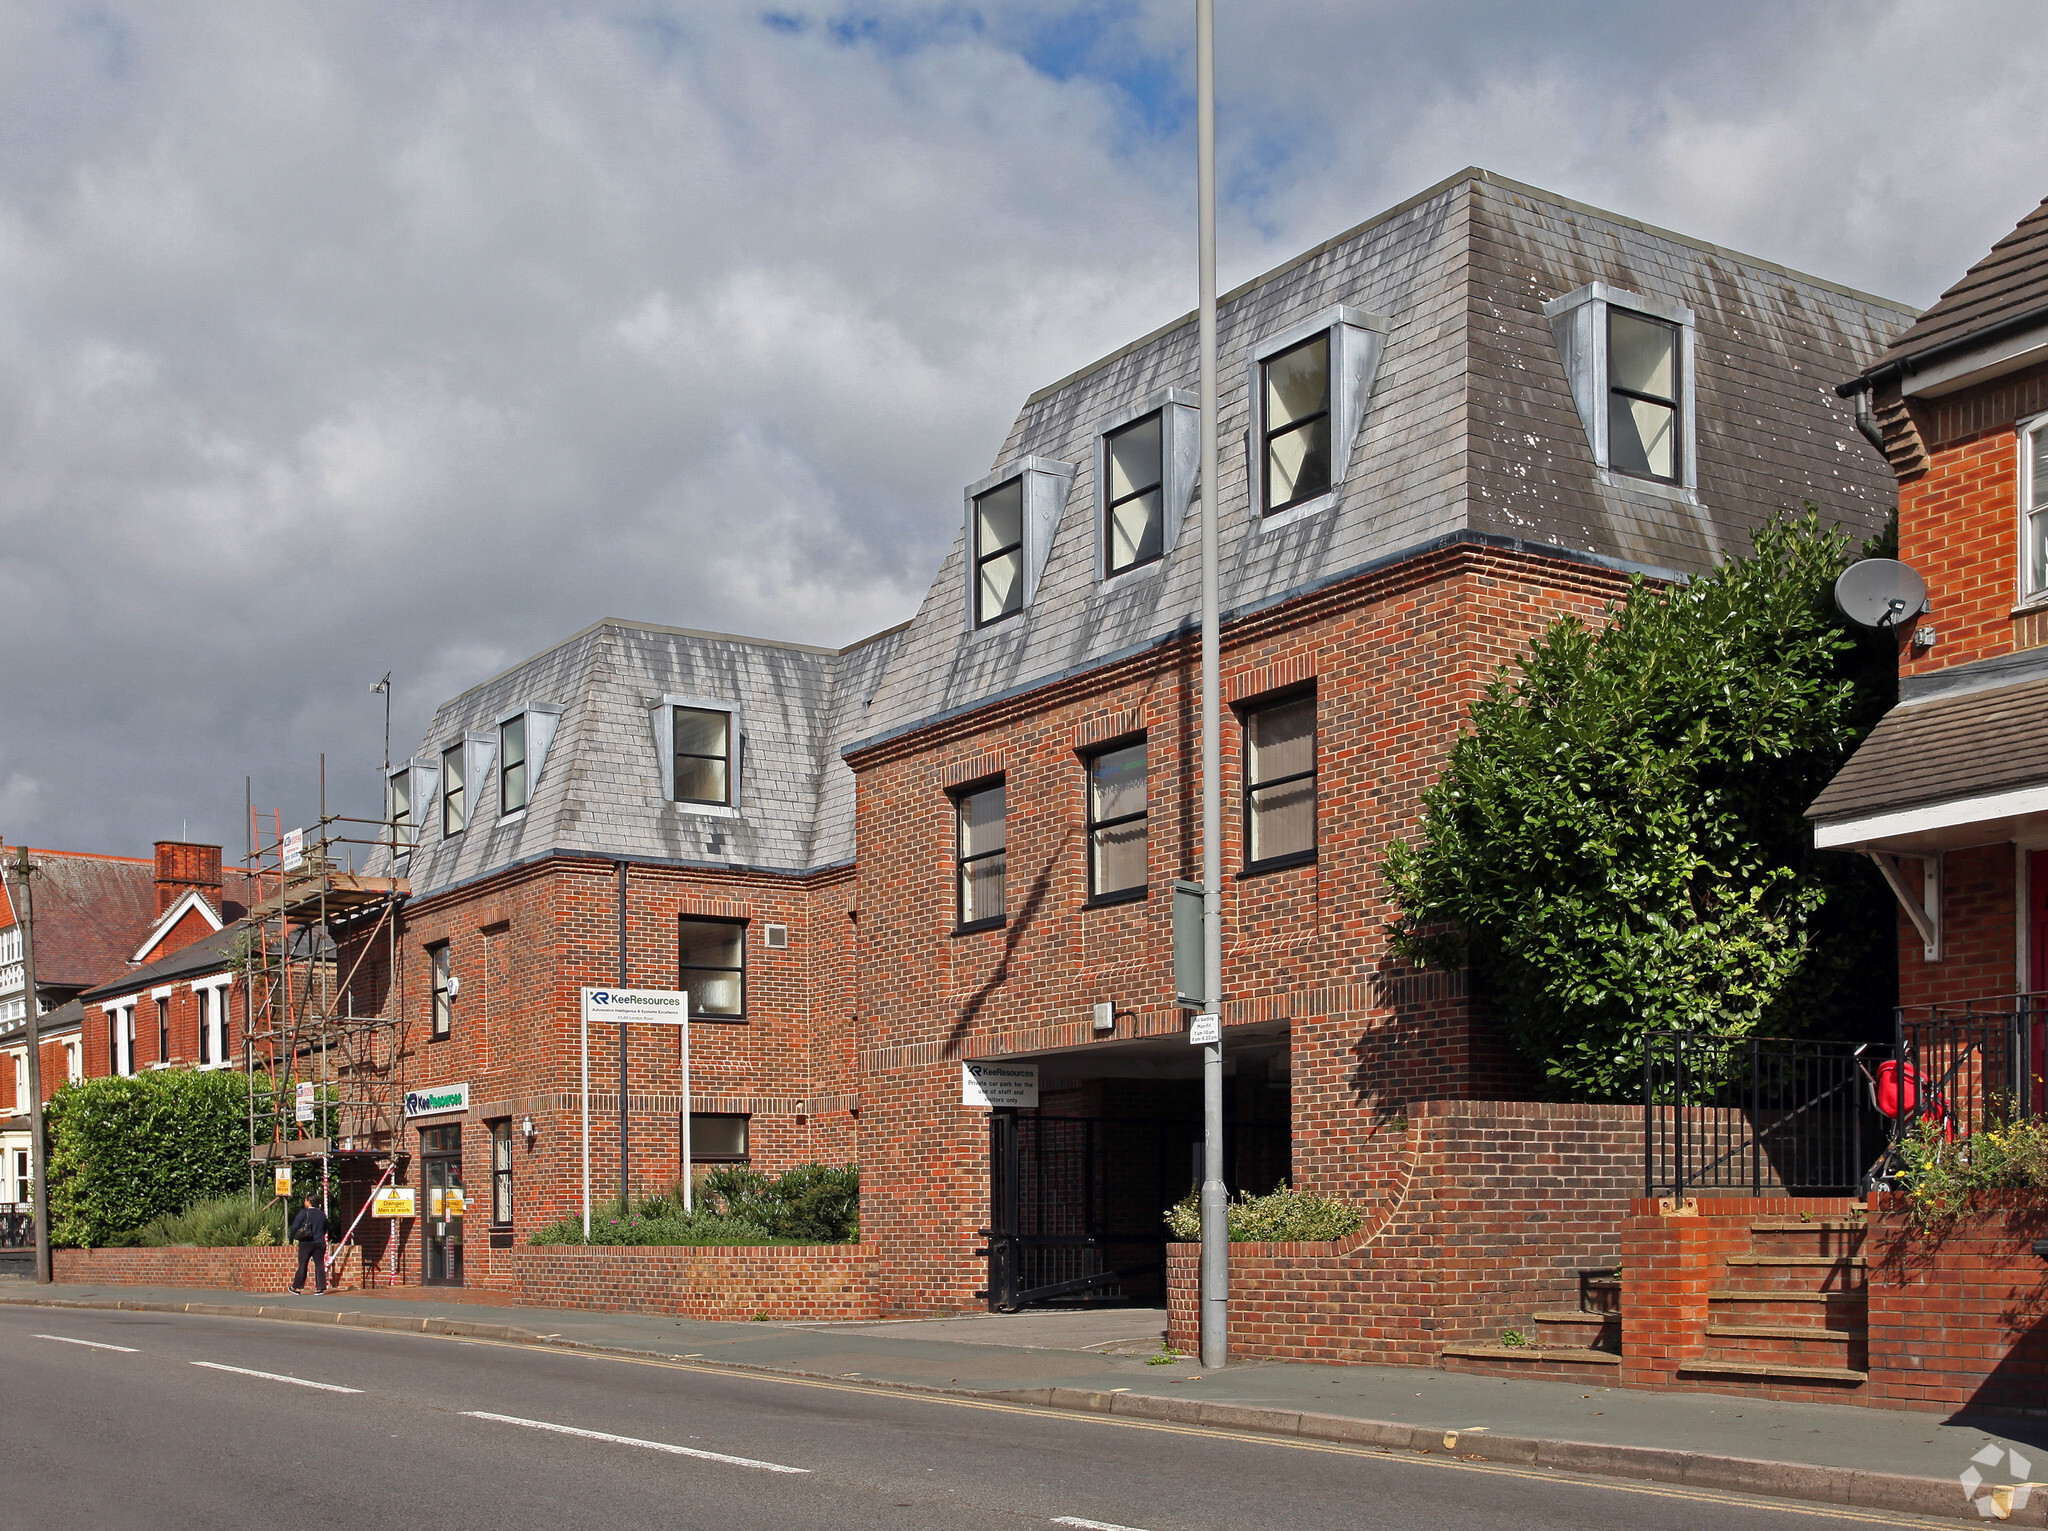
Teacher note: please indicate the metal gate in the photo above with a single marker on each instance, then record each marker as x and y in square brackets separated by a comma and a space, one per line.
[1078, 1203]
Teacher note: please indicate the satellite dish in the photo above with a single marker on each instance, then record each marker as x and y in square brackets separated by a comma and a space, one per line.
[1880, 592]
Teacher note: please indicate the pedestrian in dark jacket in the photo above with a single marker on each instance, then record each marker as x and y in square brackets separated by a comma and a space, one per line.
[310, 1229]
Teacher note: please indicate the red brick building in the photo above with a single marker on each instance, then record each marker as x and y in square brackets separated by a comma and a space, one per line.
[958, 841]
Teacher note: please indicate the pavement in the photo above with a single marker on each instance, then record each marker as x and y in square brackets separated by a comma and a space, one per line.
[1107, 1362]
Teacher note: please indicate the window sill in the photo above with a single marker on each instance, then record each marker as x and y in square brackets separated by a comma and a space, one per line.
[698, 1018]
[440, 1036]
[1278, 864]
[704, 810]
[979, 926]
[1123, 579]
[1124, 896]
[1614, 478]
[1274, 520]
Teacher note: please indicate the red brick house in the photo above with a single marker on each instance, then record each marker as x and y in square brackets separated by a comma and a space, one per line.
[957, 843]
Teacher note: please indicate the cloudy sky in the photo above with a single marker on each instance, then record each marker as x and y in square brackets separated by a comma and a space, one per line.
[349, 337]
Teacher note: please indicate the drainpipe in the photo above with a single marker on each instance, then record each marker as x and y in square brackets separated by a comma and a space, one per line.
[623, 1181]
[1866, 422]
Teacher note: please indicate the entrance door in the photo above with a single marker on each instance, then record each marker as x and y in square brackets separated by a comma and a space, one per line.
[2037, 976]
[441, 1160]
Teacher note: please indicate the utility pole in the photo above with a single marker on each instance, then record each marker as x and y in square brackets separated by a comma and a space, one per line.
[24, 917]
[1215, 1310]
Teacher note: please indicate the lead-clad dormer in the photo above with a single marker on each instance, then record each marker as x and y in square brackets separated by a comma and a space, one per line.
[1630, 361]
[1012, 518]
[1309, 386]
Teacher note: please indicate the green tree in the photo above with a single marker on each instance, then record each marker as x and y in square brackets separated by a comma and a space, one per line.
[124, 1150]
[1617, 846]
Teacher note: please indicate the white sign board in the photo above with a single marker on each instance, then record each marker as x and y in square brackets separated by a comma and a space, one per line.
[434, 1100]
[1205, 1030]
[294, 849]
[661, 1007]
[989, 1085]
[305, 1111]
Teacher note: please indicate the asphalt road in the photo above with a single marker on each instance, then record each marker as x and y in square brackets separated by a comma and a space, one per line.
[169, 1421]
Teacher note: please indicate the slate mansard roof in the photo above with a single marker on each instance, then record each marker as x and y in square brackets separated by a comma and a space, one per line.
[600, 791]
[1470, 428]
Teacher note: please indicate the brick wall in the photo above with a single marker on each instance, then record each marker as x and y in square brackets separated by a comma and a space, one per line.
[240, 1270]
[780, 1282]
[1482, 1212]
[1979, 890]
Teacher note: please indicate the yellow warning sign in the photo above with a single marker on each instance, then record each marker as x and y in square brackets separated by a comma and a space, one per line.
[284, 1180]
[452, 1205]
[392, 1201]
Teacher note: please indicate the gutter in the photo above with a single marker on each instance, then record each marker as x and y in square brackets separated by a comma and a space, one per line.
[1905, 366]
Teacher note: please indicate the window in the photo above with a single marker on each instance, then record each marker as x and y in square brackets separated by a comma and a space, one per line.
[1136, 529]
[454, 797]
[998, 552]
[24, 1186]
[501, 1173]
[206, 999]
[714, 967]
[21, 1080]
[980, 842]
[1642, 396]
[74, 1061]
[400, 810]
[716, 1139]
[1297, 423]
[163, 1030]
[441, 1013]
[2034, 503]
[1280, 783]
[121, 1040]
[703, 755]
[512, 765]
[1116, 823]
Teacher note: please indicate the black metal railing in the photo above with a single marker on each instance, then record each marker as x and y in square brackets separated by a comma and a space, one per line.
[17, 1225]
[1967, 1066]
[1756, 1115]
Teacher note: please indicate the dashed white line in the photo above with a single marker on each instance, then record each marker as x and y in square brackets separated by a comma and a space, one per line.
[631, 1440]
[243, 1371]
[1091, 1525]
[65, 1339]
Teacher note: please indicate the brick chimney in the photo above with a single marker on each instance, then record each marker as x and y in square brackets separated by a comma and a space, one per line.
[181, 866]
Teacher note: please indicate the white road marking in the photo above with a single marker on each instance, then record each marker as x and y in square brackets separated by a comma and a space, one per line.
[65, 1339]
[243, 1371]
[1091, 1525]
[631, 1440]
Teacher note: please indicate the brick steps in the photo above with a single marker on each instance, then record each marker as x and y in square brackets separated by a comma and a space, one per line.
[1789, 1314]
[1737, 1368]
[1572, 1355]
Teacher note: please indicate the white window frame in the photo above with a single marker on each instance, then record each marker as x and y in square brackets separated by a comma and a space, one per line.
[2033, 501]
[74, 1061]
[214, 1019]
[1357, 339]
[1578, 322]
[121, 1027]
[20, 1057]
[1180, 453]
[1047, 487]
[662, 720]
[542, 720]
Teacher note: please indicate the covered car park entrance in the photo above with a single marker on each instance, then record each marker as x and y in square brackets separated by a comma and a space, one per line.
[1079, 1186]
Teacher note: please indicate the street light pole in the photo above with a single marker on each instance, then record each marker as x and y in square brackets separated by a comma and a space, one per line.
[24, 917]
[1215, 1306]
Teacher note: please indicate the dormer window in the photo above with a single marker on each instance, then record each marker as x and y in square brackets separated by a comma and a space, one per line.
[512, 765]
[1136, 527]
[398, 810]
[1642, 395]
[1310, 385]
[1297, 390]
[1629, 359]
[703, 755]
[454, 791]
[998, 552]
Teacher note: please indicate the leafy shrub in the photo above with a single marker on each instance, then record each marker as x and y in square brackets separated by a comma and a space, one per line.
[228, 1223]
[811, 1204]
[1940, 1174]
[1286, 1216]
[128, 1149]
[1616, 845]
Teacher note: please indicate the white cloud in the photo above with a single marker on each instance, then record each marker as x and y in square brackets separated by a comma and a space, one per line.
[338, 340]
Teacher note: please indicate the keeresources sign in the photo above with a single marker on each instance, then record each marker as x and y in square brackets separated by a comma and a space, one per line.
[436, 1099]
[660, 1006]
[990, 1085]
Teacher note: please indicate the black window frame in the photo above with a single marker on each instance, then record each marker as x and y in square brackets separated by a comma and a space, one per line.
[959, 797]
[1248, 789]
[677, 756]
[1268, 433]
[1110, 568]
[683, 970]
[440, 1002]
[1096, 897]
[460, 792]
[404, 826]
[506, 766]
[746, 1153]
[1676, 403]
[501, 1171]
[204, 1000]
[981, 557]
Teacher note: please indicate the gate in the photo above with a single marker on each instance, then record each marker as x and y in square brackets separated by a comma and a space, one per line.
[1078, 1203]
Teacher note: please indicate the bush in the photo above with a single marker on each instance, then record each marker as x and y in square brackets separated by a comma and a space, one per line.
[812, 1204]
[228, 1223]
[1940, 1174]
[125, 1150]
[1286, 1216]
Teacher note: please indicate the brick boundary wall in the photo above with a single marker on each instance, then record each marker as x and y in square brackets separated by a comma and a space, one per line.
[1484, 1215]
[239, 1270]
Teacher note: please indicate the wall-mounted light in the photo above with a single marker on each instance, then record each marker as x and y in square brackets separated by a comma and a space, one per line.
[1105, 1016]
[526, 1129]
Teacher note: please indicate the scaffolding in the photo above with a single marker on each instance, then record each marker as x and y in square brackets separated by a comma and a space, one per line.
[325, 1044]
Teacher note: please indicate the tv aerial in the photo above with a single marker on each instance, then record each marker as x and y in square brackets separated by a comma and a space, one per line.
[1880, 592]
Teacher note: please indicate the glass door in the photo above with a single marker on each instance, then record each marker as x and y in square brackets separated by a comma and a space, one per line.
[441, 1161]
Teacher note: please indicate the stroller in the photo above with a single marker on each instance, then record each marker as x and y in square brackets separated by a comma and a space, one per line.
[1902, 1094]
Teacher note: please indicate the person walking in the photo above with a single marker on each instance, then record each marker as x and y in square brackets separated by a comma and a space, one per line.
[310, 1229]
